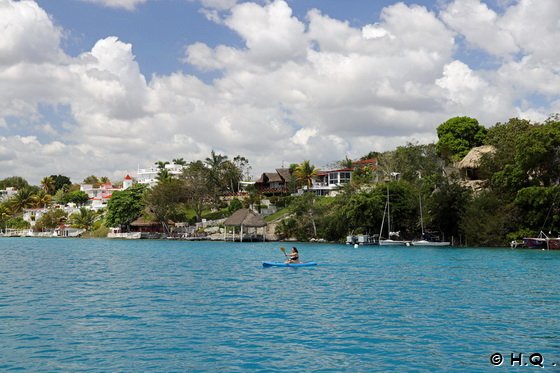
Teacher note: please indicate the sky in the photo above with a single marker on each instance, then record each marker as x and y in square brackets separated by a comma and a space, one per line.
[102, 87]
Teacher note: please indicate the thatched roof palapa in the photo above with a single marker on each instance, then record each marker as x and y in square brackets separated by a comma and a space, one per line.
[245, 218]
[472, 159]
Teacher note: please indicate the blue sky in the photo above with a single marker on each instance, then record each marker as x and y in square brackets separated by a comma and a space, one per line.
[105, 86]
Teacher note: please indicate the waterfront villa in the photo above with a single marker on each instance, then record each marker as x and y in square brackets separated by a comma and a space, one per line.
[149, 176]
[99, 195]
[271, 183]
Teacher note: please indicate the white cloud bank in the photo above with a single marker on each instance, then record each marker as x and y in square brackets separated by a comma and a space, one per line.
[314, 88]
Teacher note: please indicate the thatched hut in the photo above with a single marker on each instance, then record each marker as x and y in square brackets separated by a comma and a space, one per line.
[245, 219]
[470, 164]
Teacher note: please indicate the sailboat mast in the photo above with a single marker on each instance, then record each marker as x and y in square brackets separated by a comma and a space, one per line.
[421, 215]
[388, 215]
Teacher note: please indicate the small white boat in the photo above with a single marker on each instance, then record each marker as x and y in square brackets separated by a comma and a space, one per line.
[390, 242]
[430, 243]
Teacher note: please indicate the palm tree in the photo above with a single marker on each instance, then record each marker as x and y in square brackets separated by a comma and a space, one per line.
[180, 162]
[216, 163]
[346, 162]
[48, 184]
[84, 219]
[104, 180]
[305, 173]
[215, 160]
[163, 175]
[161, 164]
[5, 212]
[21, 200]
[42, 199]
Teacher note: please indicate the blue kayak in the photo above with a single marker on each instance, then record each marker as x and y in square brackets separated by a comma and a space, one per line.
[282, 264]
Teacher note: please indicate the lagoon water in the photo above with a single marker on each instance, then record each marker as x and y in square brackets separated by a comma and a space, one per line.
[168, 306]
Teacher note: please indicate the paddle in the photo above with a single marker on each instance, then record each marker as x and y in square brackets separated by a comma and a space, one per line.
[284, 251]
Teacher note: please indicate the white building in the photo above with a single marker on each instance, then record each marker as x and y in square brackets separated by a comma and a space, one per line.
[149, 175]
[7, 193]
[99, 195]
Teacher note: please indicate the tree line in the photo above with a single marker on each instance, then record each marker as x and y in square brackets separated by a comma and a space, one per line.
[516, 194]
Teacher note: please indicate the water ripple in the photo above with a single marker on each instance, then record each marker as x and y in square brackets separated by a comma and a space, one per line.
[75, 305]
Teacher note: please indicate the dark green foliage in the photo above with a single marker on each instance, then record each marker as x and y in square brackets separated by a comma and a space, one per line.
[487, 220]
[234, 205]
[446, 207]
[125, 206]
[61, 182]
[457, 136]
[540, 208]
[16, 182]
[51, 219]
[78, 197]
[417, 162]
[167, 198]
[17, 223]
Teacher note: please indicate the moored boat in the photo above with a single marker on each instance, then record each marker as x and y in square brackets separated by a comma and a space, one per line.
[542, 242]
[389, 241]
[362, 240]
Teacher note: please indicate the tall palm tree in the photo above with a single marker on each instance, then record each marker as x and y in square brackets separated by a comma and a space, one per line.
[48, 184]
[42, 199]
[215, 160]
[180, 162]
[84, 219]
[21, 200]
[161, 164]
[305, 173]
[5, 212]
[346, 162]
[216, 163]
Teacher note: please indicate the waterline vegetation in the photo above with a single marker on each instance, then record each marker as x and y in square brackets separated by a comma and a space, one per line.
[502, 194]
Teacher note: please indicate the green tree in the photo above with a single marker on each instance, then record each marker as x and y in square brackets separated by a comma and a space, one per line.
[15, 182]
[457, 136]
[539, 207]
[166, 199]
[538, 153]
[51, 219]
[84, 219]
[78, 197]
[92, 179]
[47, 183]
[161, 164]
[234, 205]
[487, 220]
[125, 206]
[305, 173]
[42, 199]
[23, 199]
[180, 161]
[201, 189]
[416, 163]
[61, 182]
[446, 207]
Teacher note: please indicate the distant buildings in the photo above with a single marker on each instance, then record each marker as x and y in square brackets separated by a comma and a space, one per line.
[149, 176]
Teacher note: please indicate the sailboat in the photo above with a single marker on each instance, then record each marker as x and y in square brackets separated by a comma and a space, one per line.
[389, 241]
[427, 239]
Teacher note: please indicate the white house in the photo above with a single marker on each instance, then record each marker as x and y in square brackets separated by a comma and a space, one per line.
[149, 175]
[100, 195]
[7, 193]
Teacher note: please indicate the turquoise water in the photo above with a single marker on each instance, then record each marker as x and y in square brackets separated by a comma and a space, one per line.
[137, 306]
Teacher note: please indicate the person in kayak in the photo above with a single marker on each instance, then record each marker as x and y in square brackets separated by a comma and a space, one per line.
[293, 256]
